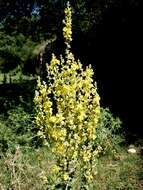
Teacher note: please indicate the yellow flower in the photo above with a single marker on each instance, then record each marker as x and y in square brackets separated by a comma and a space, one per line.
[89, 177]
[95, 120]
[54, 60]
[45, 179]
[86, 156]
[81, 116]
[47, 105]
[60, 149]
[55, 169]
[66, 176]
[55, 134]
[52, 119]
[89, 72]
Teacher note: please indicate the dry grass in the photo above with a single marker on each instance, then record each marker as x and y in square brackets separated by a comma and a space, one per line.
[24, 170]
[121, 172]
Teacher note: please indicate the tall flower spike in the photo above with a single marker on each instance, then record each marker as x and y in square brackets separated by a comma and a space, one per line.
[67, 29]
[68, 111]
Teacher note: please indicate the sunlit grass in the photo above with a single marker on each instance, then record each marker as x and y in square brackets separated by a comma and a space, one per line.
[26, 168]
[122, 171]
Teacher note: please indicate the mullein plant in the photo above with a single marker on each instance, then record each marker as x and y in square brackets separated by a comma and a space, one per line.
[68, 111]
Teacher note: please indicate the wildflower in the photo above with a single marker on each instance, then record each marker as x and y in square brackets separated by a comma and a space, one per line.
[55, 169]
[68, 112]
[45, 179]
[66, 176]
[86, 156]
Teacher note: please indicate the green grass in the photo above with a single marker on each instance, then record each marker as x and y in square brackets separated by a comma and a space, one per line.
[24, 162]
[25, 168]
[123, 171]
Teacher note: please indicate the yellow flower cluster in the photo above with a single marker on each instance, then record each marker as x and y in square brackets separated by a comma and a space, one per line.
[67, 29]
[68, 111]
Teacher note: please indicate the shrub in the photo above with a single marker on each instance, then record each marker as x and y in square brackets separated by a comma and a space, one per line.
[109, 134]
[68, 111]
[16, 129]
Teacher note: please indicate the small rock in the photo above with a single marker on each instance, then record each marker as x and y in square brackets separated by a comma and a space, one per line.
[132, 150]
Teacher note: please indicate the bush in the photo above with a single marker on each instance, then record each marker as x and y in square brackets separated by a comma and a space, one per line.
[109, 133]
[16, 129]
[68, 111]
